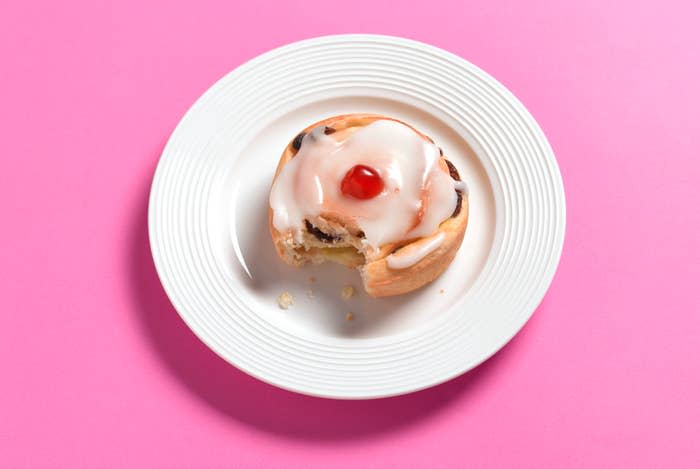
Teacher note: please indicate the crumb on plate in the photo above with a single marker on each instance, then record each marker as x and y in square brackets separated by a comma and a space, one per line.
[349, 317]
[285, 300]
[442, 290]
[312, 279]
[348, 291]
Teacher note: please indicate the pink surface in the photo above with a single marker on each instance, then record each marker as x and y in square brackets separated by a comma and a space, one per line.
[98, 370]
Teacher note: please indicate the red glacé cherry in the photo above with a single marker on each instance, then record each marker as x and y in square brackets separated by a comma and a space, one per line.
[362, 182]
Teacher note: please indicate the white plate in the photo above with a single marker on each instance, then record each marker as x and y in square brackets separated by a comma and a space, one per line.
[212, 249]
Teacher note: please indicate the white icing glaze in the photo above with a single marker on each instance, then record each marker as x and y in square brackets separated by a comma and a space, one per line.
[413, 253]
[461, 186]
[309, 184]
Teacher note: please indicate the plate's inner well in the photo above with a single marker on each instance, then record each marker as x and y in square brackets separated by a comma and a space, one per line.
[241, 240]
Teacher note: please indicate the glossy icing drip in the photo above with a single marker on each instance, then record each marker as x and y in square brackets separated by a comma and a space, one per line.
[413, 253]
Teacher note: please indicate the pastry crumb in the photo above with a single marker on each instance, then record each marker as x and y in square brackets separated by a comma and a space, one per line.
[285, 300]
[348, 291]
[442, 290]
[349, 317]
[309, 293]
[312, 279]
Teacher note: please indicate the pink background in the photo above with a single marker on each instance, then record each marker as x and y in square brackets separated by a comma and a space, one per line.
[98, 370]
